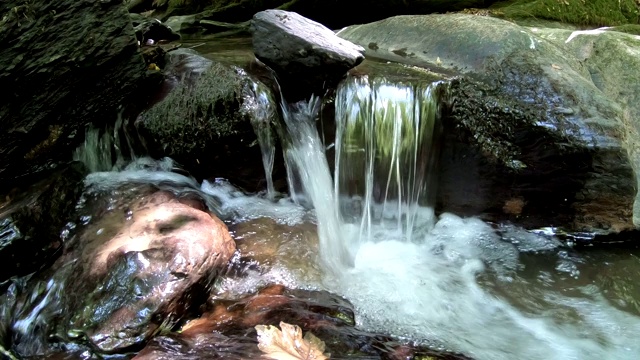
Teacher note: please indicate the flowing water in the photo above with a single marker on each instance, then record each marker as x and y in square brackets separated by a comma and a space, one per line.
[441, 281]
[367, 231]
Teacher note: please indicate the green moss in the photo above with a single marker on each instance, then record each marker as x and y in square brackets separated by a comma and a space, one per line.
[579, 12]
[192, 116]
[628, 28]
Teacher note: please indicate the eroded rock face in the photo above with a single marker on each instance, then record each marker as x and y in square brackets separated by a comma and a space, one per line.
[302, 52]
[531, 137]
[67, 63]
[137, 268]
[228, 329]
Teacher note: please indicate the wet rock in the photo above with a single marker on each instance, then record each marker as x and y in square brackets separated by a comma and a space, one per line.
[32, 219]
[207, 117]
[145, 258]
[67, 63]
[197, 26]
[228, 329]
[512, 150]
[307, 56]
[150, 31]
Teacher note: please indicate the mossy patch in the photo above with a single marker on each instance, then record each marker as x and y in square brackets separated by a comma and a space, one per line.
[579, 12]
[192, 117]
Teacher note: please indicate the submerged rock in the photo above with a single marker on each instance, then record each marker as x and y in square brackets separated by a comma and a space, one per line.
[67, 63]
[228, 330]
[531, 137]
[302, 52]
[205, 121]
[32, 219]
[144, 260]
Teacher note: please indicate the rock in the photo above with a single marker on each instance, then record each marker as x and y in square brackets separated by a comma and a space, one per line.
[67, 63]
[511, 150]
[303, 53]
[332, 13]
[32, 219]
[227, 331]
[142, 262]
[198, 27]
[150, 31]
[205, 121]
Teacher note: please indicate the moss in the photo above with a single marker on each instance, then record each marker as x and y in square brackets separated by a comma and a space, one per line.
[193, 116]
[628, 28]
[579, 12]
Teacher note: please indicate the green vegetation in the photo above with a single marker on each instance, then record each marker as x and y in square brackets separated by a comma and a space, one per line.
[578, 12]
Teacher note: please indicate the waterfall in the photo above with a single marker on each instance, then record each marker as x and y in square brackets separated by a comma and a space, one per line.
[386, 152]
[263, 110]
[105, 150]
[385, 156]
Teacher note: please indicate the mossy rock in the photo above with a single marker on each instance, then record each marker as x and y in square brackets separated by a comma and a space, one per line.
[578, 12]
[542, 127]
[205, 121]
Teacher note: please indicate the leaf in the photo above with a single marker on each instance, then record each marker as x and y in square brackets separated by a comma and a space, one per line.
[288, 344]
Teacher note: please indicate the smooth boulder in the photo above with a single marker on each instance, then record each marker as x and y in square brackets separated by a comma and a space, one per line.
[302, 51]
[147, 259]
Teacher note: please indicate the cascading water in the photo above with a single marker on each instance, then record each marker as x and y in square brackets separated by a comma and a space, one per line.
[263, 109]
[385, 157]
[412, 276]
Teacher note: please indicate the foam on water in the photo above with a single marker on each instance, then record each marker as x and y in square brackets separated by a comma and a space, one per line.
[430, 292]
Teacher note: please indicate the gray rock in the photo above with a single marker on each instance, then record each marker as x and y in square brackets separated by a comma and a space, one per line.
[301, 50]
[67, 63]
[532, 136]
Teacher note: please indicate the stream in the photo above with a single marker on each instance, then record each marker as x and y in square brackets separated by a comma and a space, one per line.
[359, 222]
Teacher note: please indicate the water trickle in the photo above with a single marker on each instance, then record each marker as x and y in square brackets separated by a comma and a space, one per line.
[105, 150]
[263, 109]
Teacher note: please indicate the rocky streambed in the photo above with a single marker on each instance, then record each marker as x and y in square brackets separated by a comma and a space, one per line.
[534, 155]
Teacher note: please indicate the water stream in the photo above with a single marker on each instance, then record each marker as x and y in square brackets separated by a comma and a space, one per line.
[425, 278]
[366, 230]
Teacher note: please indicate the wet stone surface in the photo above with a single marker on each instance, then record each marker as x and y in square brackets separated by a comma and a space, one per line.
[227, 330]
[142, 264]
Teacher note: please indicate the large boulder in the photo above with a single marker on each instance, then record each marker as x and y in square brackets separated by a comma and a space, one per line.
[67, 63]
[207, 119]
[139, 265]
[531, 136]
[304, 54]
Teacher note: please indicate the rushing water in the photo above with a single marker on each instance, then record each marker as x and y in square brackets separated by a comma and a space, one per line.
[425, 281]
[459, 284]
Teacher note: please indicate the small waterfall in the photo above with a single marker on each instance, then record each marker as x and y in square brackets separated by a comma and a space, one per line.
[385, 157]
[386, 152]
[306, 161]
[263, 109]
[104, 150]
